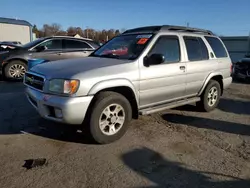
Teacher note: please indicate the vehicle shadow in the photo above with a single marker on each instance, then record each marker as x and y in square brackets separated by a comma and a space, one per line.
[61, 132]
[47, 129]
[234, 106]
[226, 105]
[164, 173]
[17, 116]
[240, 81]
[219, 125]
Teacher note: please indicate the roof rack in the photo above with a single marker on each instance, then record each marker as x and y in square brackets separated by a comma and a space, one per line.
[155, 29]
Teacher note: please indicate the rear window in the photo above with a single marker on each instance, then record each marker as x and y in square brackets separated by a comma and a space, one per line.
[217, 47]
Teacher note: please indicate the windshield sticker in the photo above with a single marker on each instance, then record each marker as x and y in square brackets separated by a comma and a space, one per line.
[143, 36]
[142, 41]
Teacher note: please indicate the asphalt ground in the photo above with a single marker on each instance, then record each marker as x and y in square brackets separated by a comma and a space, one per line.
[176, 148]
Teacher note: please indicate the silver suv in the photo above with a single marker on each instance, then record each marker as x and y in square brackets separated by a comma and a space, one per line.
[141, 71]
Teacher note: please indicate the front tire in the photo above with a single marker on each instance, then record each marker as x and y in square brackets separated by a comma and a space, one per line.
[210, 97]
[15, 70]
[110, 116]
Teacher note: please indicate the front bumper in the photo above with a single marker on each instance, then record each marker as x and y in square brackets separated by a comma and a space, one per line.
[70, 110]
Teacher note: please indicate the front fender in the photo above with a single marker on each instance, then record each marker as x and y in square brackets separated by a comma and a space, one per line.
[211, 75]
[102, 85]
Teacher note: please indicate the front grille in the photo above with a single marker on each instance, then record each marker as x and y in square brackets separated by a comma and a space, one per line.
[34, 80]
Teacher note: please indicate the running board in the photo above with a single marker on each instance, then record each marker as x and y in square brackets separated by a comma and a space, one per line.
[162, 107]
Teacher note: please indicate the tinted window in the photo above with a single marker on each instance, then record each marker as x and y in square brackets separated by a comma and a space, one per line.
[196, 48]
[217, 47]
[94, 44]
[54, 44]
[69, 44]
[169, 47]
[203, 49]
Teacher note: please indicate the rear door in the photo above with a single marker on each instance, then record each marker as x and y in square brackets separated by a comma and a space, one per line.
[53, 49]
[73, 48]
[200, 63]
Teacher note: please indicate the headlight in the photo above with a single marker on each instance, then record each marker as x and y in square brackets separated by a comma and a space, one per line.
[63, 86]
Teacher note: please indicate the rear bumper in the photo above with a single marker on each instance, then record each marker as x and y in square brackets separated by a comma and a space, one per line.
[70, 110]
[227, 82]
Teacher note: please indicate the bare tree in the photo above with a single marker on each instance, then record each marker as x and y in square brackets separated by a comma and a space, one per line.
[56, 29]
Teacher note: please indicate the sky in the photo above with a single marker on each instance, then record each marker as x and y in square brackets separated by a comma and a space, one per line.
[223, 17]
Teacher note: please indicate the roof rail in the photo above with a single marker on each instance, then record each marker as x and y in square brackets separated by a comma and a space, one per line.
[186, 29]
[147, 29]
[155, 29]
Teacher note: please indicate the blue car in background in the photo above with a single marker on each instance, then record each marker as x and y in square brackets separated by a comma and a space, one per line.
[34, 62]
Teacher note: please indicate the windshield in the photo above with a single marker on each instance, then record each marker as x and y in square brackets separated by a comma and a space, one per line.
[124, 47]
[32, 43]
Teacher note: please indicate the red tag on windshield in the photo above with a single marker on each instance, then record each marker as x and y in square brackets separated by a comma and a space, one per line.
[142, 41]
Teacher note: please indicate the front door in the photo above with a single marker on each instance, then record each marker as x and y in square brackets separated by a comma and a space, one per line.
[165, 82]
[52, 51]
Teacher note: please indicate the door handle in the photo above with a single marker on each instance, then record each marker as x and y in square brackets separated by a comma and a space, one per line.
[59, 53]
[182, 67]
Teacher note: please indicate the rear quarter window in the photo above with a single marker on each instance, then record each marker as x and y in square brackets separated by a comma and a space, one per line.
[217, 46]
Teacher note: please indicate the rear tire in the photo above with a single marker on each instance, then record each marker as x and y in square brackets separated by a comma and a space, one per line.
[15, 70]
[109, 117]
[210, 97]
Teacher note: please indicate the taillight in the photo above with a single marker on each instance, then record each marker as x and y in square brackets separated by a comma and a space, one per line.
[231, 68]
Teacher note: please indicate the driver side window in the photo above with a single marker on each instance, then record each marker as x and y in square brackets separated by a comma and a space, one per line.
[169, 47]
[51, 44]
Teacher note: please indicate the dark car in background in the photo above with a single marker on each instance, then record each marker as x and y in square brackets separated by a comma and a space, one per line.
[13, 42]
[14, 61]
[6, 46]
[241, 69]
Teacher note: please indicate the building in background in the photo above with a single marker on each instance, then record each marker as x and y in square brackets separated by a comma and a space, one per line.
[237, 46]
[15, 30]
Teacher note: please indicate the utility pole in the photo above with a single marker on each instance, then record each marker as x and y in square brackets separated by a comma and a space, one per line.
[87, 32]
[249, 43]
[187, 24]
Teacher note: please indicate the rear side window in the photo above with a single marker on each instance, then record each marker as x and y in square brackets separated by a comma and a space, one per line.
[217, 47]
[196, 48]
[169, 47]
[75, 44]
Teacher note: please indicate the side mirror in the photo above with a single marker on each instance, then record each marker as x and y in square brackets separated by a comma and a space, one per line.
[40, 48]
[154, 59]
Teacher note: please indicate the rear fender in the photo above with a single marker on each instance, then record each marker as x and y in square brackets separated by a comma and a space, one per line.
[209, 77]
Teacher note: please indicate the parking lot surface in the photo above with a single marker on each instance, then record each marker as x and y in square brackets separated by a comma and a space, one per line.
[176, 148]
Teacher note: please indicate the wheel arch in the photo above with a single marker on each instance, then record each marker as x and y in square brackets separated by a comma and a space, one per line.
[213, 76]
[121, 86]
[6, 62]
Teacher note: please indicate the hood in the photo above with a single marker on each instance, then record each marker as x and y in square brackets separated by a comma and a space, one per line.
[70, 67]
[9, 53]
